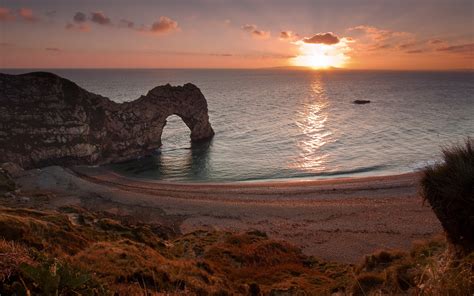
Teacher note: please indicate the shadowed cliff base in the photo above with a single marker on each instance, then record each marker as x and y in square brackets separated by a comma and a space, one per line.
[48, 120]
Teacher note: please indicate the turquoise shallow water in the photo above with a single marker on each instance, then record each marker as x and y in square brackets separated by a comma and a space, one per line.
[280, 124]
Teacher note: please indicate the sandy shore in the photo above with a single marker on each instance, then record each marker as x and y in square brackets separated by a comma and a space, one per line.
[339, 219]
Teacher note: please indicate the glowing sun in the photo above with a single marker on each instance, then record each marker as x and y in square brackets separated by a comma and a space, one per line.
[320, 56]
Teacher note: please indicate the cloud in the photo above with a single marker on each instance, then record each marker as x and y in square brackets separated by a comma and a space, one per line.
[221, 54]
[54, 49]
[126, 24]
[436, 41]
[253, 29]
[77, 27]
[249, 28]
[80, 17]
[80, 22]
[261, 34]
[6, 14]
[23, 14]
[248, 55]
[191, 53]
[462, 48]
[288, 35]
[322, 38]
[407, 45]
[415, 51]
[381, 46]
[164, 25]
[100, 18]
[379, 34]
[27, 15]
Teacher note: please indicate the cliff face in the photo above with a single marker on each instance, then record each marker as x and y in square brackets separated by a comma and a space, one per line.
[46, 120]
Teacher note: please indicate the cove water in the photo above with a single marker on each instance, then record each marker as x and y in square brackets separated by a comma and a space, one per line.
[285, 124]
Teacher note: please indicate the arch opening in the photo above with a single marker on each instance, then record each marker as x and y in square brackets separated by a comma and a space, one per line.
[176, 134]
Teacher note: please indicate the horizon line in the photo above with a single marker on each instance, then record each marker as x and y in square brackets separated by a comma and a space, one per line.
[296, 68]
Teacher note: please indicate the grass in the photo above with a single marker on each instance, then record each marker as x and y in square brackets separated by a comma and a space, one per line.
[449, 189]
[99, 252]
[46, 253]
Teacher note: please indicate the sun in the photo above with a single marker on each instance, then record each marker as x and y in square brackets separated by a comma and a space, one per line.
[320, 56]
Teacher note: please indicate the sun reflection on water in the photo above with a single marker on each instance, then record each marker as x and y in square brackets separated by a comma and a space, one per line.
[312, 122]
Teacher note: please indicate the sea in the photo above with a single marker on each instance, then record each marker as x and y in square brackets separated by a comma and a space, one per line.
[280, 124]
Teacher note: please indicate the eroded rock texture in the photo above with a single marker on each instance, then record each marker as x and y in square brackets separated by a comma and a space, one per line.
[46, 119]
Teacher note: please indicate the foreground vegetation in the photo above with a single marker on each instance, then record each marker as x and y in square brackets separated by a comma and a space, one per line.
[449, 188]
[77, 252]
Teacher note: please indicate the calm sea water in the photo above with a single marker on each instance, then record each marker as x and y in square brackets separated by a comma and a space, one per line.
[274, 124]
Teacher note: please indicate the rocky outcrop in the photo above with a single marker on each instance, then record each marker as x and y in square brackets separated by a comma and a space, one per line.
[46, 120]
[361, 102]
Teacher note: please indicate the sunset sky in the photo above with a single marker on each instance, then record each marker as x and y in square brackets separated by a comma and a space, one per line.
[350, 34]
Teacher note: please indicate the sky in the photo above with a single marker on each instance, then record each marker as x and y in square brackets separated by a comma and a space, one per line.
[369, 34]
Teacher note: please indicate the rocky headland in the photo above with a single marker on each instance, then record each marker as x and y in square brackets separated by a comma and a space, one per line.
[48, 120]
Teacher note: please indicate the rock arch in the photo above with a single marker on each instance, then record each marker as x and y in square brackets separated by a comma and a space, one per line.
[46, 119]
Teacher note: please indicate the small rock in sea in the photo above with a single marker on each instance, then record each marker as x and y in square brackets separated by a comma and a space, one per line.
[361, 102]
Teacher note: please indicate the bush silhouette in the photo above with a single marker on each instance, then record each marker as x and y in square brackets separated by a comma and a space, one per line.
[449, 189]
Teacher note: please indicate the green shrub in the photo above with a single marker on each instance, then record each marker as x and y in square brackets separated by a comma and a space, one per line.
[449, 189]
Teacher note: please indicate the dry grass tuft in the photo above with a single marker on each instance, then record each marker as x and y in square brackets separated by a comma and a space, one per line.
[448, 276]
[12, 255]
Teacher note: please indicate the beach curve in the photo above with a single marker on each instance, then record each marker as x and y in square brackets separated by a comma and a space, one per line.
[338, 219]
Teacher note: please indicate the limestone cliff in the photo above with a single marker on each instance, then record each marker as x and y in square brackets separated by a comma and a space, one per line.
[46, 119]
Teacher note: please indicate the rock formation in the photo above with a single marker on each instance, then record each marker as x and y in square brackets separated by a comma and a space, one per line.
[46, 120]
[361, 102]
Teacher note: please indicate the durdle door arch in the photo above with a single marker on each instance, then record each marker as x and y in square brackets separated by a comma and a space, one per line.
[46, 120]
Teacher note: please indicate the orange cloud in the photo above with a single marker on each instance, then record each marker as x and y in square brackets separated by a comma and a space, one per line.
[323, 38]
[27, 15]
[24, 14]
[436, 41]
[53, 49]
[253, 29]
[407, 45]
[288, 35]
[164, 25]
[80, 23]
[416, 51]
[379, 34]
[6, 14]
[462, 48]
[77, 27]
[100, 18]
[249, 28]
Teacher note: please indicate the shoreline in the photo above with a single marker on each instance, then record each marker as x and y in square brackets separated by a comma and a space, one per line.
[339, 220]
[302, 187]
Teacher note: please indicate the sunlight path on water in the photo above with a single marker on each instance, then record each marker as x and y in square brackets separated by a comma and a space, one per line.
[312, 122]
